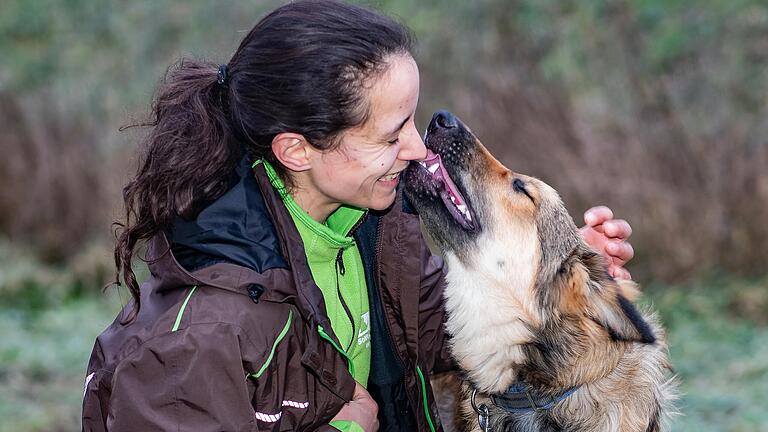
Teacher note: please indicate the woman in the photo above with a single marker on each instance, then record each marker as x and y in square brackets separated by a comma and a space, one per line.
[291, 288]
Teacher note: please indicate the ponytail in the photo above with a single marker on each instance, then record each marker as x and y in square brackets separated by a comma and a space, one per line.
[190, 156]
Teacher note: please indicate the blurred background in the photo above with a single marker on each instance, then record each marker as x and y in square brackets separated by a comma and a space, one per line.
[656, 108]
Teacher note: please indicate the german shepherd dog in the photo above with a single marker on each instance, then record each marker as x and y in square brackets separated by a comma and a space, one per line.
[546, 339]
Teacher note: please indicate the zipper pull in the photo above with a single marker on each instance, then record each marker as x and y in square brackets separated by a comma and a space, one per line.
[340, 262]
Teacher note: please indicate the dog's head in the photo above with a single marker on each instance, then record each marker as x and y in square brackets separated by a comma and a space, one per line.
[511, 232]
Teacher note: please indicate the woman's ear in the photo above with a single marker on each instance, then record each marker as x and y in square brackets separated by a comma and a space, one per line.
[293, 151]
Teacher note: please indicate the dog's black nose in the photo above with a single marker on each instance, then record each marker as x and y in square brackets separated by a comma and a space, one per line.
[445, 120]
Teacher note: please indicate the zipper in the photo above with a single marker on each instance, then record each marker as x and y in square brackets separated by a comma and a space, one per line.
[357, 225]
[340, 262]
[377, 259]
[341, 270]
[324, 335]
[377, 262]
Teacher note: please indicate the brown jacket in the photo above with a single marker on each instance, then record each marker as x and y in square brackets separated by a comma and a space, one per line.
[237, 338]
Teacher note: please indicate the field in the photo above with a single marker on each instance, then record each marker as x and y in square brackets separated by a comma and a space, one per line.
[655, 108]
[718, 335]
[719, 348]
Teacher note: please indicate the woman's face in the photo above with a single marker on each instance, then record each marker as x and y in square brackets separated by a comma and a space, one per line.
[364, 169]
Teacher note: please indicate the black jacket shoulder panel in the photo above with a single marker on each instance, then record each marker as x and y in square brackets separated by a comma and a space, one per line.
[235, 228]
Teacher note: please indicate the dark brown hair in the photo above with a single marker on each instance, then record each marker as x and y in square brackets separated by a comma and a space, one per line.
[301, 69]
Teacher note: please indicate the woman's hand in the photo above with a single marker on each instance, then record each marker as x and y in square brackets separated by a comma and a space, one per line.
[362, 409]
[609, 237]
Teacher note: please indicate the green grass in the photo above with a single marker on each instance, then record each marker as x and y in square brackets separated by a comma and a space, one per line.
[43, 357]
[718, 335]
[719, 347]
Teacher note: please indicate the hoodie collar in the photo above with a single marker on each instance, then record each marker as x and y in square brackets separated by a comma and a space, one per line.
[325, 238]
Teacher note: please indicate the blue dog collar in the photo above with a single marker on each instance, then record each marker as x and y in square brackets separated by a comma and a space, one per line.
[524, 398]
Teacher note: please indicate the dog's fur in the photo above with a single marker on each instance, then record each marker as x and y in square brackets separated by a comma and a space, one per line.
[529, 302]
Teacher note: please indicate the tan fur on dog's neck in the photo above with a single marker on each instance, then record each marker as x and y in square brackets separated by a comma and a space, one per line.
[492, 341]
[477, 287]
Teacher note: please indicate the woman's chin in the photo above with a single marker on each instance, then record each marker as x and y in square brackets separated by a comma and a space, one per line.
[382, 202]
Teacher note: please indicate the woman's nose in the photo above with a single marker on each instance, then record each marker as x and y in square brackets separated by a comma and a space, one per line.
[413, 148]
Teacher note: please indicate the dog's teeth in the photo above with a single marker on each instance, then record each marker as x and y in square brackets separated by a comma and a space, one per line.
[433, 168]
[424, 164]
[464, 211]
[453, 199]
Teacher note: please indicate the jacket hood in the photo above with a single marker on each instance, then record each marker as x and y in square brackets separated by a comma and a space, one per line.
[235, 228]
[244, 241]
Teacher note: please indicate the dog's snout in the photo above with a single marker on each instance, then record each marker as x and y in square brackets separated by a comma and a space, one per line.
[443, 120]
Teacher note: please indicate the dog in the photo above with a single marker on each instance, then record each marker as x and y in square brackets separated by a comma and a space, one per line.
[545, 338]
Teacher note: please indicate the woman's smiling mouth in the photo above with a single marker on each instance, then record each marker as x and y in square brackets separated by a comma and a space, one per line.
[390, 177]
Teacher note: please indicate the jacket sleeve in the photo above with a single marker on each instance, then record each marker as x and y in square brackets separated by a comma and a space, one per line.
[192, 379]
[433, 339]
[293, 385]
[214, 377]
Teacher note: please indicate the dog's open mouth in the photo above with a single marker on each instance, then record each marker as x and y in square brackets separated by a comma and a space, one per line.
[452, 199]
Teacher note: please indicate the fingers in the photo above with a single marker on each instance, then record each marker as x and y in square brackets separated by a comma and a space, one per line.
[362, 409]
[619, 272]
[601, 219]
[619, 251]
[617, 228]
[360, 393]
[595, 216]
[362, 396]
[609, 235]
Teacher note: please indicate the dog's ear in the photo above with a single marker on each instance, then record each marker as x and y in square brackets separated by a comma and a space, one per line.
[621, 319]
[590, 291]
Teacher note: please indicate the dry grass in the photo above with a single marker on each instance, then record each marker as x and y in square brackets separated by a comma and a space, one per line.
[676, 145]
[659, 116]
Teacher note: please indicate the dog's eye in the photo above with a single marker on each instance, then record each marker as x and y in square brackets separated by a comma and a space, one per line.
[519, 187]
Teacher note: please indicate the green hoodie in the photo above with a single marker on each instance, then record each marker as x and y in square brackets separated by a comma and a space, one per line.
[337, 269]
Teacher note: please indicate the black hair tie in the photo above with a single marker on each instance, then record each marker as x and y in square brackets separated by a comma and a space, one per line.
[221, 77]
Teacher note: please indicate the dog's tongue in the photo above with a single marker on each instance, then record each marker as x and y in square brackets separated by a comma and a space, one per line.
[434, 158]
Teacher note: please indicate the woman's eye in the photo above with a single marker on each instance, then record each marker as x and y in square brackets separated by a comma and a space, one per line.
[394, 141]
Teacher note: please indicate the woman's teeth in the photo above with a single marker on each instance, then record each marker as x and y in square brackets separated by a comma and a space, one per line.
[390, 177]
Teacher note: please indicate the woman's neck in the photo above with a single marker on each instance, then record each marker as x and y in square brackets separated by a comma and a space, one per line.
[317, 208]
[317, 205]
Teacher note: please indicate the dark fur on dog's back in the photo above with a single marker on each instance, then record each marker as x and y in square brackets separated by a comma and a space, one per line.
[530, 303]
